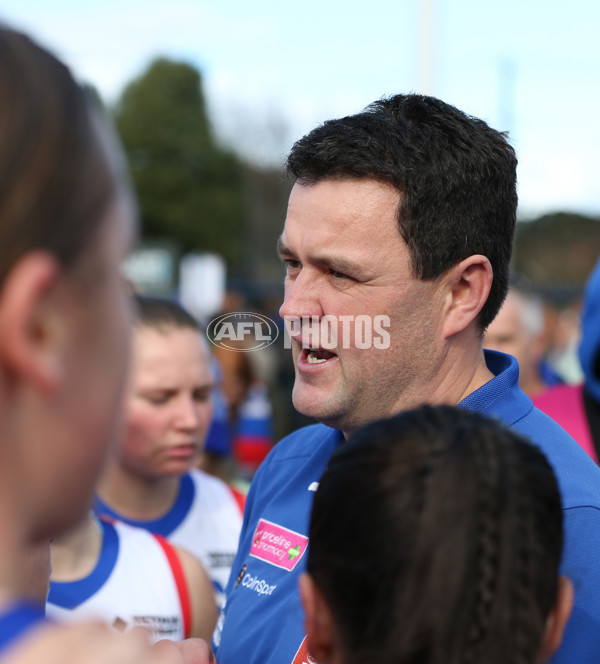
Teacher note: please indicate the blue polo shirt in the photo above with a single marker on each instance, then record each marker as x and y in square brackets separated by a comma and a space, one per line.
[262, 620]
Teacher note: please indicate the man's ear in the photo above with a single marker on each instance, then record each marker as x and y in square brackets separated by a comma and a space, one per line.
[557, 620]
[318, 622]
[29, 327]
[468, 286]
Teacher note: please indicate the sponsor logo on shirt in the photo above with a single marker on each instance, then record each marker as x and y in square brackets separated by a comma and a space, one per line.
[277, 545]
[259, 586]
[161, 626]
[303, 656]
[220, 559]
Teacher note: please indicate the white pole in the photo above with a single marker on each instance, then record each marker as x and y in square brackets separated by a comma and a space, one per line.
[427, 51]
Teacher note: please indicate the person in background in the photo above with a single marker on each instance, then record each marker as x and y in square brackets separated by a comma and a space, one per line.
[577, 407]
[151, 480]
[452, 533]
[217, 456]
[519, 330]
[563, 314]
[67, 221]
[249, 415]
[397, 240]
[129, 577]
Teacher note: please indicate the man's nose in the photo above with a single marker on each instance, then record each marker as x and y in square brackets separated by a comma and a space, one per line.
[302, 297]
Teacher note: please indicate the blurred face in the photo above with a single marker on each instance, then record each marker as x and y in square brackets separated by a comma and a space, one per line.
[508, 334]
[348, 267]
[169, 406]
[66, 449]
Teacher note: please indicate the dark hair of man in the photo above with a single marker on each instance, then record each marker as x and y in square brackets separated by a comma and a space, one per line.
[161, 313]
[436, 538]
[456, 176]
[55, 182]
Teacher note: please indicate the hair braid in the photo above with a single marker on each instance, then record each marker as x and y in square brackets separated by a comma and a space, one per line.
[527, 619]
[438, 447]
[457, 555]
[487, 553]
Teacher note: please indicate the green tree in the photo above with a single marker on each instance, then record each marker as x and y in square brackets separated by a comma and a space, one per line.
[558, 248]
[189, 188]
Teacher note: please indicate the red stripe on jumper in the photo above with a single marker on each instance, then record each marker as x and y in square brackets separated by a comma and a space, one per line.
[180, 582]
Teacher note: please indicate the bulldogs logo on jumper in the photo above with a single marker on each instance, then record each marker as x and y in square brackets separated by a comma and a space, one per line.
[277, 545]
[303, 656]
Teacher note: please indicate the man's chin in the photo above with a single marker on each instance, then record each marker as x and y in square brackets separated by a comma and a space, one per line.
[319, 410]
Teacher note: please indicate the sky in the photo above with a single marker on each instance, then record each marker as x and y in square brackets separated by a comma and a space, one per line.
[273, 69]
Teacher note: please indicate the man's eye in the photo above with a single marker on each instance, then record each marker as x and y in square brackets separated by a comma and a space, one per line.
[291, 265]
[340, 276]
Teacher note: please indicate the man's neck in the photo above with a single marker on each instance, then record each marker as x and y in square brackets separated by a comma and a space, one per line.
[460, 372]
[478, 376]
[466, 369]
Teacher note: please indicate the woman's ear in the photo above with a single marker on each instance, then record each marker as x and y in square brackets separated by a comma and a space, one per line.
[468, 287]
[31, 337]
[557, 620]
[318, 622]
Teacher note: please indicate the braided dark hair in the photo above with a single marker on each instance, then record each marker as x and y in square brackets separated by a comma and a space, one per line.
[435, 538]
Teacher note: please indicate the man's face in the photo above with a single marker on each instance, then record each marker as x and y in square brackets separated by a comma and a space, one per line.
[169, 407]
[345, 258]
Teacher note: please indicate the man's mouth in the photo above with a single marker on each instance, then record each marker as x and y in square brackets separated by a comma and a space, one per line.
[318, 356]
[315, 356]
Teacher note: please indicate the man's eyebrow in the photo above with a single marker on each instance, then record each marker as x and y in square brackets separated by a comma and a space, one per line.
[334, 263]
[282, 248]
[339, 264]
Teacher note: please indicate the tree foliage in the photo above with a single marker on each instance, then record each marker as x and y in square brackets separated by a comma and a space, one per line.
[189, 188]
[560, 248]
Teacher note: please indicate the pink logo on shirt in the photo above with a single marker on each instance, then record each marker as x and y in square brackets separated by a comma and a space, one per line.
[277, 545]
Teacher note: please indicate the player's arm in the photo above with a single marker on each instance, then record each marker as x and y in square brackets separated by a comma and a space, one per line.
[201, 594]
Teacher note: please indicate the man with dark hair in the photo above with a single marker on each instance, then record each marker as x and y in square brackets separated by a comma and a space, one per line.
[397, 244]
